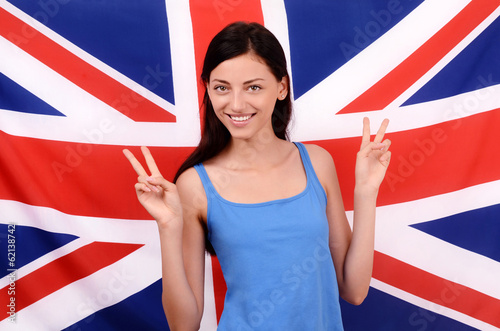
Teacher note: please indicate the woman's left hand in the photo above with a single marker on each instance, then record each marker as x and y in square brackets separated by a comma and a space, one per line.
[373, 157]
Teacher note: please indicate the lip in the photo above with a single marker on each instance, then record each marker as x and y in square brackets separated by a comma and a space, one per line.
[240, 123]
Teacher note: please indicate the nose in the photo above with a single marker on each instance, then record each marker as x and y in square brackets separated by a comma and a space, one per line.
[237, 101]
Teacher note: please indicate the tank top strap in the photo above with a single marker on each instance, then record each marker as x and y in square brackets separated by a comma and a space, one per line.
[312, 179]
[205, 180]
[310, 173]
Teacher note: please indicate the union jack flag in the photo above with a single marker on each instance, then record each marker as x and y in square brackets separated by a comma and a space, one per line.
[81, 80]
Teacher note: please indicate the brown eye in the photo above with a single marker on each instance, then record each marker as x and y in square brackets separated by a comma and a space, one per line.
[254, 88]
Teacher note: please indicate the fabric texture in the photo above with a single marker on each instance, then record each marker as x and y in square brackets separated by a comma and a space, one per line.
[275, 259]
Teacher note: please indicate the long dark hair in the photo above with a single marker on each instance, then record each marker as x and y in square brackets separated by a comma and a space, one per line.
[237, 39]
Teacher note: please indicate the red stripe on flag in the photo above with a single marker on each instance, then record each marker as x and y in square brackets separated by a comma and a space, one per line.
[423, 59]
[436, 289]
[81, 73]
[64, 271]
[428, 161]
[209, 17]
[77, 178]
[219, 287]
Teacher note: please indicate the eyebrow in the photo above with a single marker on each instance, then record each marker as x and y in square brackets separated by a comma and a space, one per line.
[244, 83]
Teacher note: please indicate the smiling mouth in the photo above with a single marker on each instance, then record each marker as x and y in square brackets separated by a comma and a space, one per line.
[240, 118]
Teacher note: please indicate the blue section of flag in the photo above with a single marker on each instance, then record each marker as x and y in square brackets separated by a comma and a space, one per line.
[475, 230]
[476, 67]
[381, 311]
[128, 35]
[141, 311]
[15, 97]
[29, 243]
[324, 35]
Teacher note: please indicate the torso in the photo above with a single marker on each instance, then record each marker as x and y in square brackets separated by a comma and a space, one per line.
[289, 232]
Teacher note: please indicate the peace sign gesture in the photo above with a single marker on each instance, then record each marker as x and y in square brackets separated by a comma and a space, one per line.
[373, 157]
[155, 193]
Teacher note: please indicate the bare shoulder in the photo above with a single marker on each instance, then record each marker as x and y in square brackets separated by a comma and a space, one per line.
[323, 165]
[188, 178]
[321, 159]
[192, 193]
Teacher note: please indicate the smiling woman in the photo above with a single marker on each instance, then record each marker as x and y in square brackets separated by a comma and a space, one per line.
[270, 209]
[236, 40]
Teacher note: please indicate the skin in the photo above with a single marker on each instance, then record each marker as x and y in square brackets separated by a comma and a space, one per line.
[256, 166]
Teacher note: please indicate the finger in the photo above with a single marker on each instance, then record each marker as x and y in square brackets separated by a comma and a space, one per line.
[150, 161]
[161, 182]
[386, 157]
[142, 187]
[387, 143]
[381, 131]
[366, 131]
[135, 164]
[145, 180]
[383, 146]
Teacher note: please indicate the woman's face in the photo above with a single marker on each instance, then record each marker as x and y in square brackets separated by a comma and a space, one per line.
[243, 92]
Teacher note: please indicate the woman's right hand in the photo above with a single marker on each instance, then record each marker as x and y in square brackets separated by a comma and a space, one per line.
[155, 193]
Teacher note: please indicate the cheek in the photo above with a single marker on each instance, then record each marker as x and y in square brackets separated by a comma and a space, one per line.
[218, 109]
[219, 115]
[265, 104]
[217, 103]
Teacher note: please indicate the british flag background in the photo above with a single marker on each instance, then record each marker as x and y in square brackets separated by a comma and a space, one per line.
[82, 79]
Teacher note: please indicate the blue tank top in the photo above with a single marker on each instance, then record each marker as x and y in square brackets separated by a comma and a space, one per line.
[275, 259]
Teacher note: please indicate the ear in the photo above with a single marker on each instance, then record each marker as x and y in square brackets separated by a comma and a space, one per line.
[283, 88]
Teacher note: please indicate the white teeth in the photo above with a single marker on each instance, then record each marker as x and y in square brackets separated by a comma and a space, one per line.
[240, 118]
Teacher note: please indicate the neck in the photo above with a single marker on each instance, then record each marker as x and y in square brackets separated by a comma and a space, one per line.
[260, 152]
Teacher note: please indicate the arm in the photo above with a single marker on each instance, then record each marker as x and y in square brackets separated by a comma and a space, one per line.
[183, 259]
[181, 241]
[371, 164]
[352, 252]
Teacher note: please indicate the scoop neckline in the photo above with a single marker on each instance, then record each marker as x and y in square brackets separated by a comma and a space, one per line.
[269, 202]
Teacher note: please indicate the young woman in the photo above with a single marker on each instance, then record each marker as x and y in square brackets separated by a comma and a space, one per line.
[270, 209]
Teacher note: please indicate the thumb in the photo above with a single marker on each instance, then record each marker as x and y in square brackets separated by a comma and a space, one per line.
[161, 182]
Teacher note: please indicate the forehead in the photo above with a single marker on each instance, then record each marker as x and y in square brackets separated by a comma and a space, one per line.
[242, 68]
